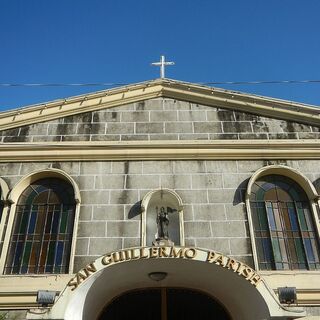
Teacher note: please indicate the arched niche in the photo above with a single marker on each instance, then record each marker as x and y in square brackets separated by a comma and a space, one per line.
[151, 204]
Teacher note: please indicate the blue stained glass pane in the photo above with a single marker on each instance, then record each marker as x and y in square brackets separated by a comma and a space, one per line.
[40, 188]
[32, 222]
[267, 250]
[293, 219]
[59, 253]
[267, 186]
[282, 185]
[308, 246]
[272, 223]
[24, 269]
[55, 222]
[18, 254]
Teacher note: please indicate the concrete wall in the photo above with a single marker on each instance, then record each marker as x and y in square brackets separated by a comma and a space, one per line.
[212, 193]
[160, 119]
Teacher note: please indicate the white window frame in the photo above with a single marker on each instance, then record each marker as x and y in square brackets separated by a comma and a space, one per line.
[13, 198]
[300, 179]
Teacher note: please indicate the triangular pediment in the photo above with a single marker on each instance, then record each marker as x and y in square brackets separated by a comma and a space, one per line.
[193, 93]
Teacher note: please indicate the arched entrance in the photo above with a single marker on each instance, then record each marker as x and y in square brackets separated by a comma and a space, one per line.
[164, 304]
[240, 289]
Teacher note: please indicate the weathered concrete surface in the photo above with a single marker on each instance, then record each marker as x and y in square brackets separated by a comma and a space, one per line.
[160, 119]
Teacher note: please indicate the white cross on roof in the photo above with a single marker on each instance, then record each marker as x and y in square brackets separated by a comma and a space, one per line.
[162, 63]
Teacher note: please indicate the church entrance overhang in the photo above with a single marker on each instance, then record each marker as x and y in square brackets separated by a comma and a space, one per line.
[239, 288]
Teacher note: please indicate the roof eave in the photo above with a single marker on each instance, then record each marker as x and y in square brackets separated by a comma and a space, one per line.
[167, 88]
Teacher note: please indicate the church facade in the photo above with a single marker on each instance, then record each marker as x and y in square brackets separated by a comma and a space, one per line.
[165, 199]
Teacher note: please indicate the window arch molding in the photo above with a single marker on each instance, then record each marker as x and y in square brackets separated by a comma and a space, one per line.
[169, 198]
[13, 198]
[4, 190]
[297, 177]
[5, 209]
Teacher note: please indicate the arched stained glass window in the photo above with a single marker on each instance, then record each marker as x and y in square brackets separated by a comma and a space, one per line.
[284, 230]
[42, 230]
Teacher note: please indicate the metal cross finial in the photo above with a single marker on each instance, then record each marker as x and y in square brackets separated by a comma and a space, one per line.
[162, 63]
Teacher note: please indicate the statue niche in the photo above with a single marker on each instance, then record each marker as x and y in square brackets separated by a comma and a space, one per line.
[162, 235]
[162, 219]
[162, 224]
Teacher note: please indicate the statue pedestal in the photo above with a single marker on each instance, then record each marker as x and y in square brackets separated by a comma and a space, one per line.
[163, 243]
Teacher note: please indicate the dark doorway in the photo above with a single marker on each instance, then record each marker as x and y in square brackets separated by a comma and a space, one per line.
[164, 304]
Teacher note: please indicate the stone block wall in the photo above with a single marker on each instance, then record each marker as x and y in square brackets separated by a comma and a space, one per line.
[160, 119]
[212, 193]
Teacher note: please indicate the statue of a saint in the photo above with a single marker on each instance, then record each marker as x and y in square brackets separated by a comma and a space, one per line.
[162, 224]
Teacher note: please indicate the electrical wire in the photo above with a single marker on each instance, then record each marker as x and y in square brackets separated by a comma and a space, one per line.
[110, 84]
[266, 82]
[61, 84]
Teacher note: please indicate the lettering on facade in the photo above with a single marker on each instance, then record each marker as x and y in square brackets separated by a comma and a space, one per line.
[168, 253]
[234, 265]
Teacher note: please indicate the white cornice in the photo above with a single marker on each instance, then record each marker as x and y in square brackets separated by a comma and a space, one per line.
[160, 150]
[161, 88]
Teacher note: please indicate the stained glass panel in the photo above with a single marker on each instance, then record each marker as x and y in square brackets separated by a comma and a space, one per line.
[284, 229]
[43, 227]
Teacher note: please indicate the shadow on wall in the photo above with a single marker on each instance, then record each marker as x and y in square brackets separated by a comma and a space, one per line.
[239, 195]
[135, 210]
[316, 184]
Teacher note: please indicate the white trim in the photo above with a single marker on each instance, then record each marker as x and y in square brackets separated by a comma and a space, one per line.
[159, 150]
[107, 279]
[167, 88]
[14, 195]
[295, 175]
[4, 194]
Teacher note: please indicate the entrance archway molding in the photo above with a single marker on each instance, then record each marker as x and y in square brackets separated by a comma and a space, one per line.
[238, 287]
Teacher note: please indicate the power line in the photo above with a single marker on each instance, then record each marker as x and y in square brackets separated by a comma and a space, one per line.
[110, 84]
[61, 84]
[266, 82]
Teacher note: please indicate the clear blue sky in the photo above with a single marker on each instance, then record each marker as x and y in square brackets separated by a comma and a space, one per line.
[83, 41]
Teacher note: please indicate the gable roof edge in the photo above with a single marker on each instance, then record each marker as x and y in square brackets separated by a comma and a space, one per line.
[193, 93]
